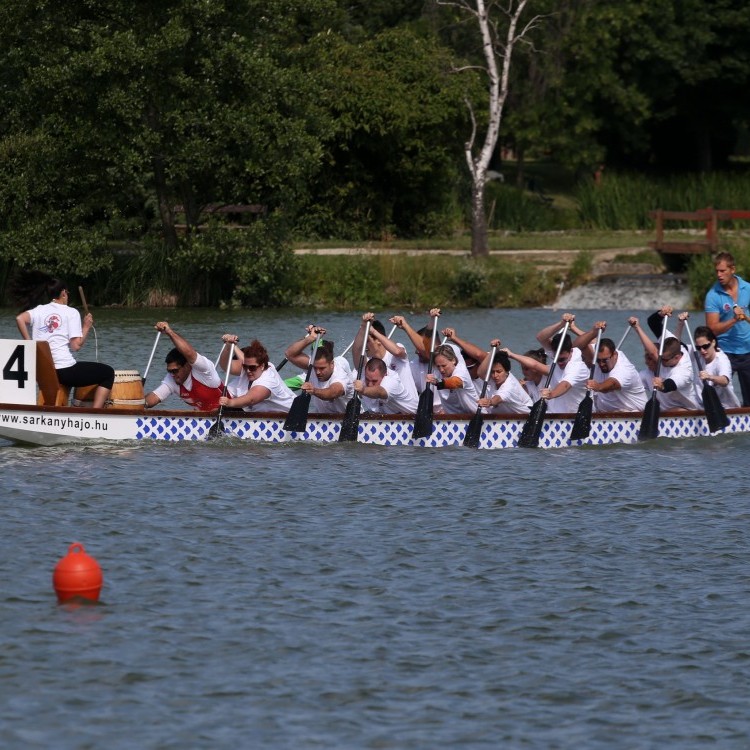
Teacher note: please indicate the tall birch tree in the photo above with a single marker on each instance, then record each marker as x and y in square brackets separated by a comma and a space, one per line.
[501, 29]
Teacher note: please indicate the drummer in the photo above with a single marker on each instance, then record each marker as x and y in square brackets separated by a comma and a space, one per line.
[190, 375]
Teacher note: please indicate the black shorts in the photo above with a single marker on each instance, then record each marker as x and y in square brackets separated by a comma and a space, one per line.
[87, 373]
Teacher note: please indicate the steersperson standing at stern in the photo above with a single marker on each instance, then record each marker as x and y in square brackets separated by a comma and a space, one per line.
[726, 307]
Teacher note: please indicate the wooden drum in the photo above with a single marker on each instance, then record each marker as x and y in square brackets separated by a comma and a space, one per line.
[127, 392]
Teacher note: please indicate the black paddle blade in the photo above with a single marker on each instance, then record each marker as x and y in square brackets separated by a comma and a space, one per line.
[423, 419]
[715, 415]
[296, 420]
[350, 422]
[217, 429]
[474, 430]
[582, 425]
[532, 430]
[650, 421]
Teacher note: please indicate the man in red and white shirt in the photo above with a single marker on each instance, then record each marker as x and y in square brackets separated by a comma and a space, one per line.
[190, 376]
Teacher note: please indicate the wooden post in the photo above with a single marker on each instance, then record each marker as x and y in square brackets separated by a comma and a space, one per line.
[659, 228]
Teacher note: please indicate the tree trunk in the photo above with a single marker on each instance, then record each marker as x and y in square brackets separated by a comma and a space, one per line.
[165, 209]
[479, 239]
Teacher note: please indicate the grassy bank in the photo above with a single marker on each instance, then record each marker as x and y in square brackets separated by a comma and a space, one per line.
[420, 282]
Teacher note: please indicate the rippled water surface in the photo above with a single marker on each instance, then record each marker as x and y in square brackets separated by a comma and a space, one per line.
[352, 596]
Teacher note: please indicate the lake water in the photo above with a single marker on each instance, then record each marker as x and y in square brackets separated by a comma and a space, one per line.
[354, 596]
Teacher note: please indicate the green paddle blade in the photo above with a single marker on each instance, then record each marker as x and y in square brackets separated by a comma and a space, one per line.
[423, 419]
[715, 415]
[582, 424]
[474, 430]
[296, 420]
[650, 421]
[350, 422]
[532, 430]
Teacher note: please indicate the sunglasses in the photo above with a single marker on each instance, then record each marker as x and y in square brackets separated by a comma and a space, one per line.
[704, 347]
[602, 360]
[251, 368]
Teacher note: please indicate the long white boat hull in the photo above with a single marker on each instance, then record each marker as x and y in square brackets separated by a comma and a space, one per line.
[49, 426]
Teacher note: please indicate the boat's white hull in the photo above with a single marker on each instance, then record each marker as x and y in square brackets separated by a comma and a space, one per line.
[61, 425]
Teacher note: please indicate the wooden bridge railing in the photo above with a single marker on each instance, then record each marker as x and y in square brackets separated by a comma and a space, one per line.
[709, 217]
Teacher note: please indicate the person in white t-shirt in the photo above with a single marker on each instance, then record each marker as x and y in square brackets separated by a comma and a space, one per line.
[567, 386]
[379, 346]
[455, 386]
[257, 386]
[675, 385]
[60, 326]
[331, 383]
[504, 394]
[383, 392]
[616, 383]
[717, 370]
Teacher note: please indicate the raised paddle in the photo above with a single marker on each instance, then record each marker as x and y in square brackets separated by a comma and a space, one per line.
[532, 430]
[650, 420]
[86, 312]
[624, 336]
[296, 420]
[217, 428]
[582, 424]
[423, 419]
[151, 358]
[350, 422]
[474, 430]
[83, 300]
[715, 415]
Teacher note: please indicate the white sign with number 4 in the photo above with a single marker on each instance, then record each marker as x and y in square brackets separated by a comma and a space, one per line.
[18, 382]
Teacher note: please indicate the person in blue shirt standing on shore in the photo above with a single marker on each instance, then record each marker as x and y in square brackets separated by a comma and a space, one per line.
[726, 308]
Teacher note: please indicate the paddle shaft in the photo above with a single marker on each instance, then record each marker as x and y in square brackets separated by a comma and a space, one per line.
[83, 300]
[563, 333]
[151, 358]
[624, 336]
[716, 415]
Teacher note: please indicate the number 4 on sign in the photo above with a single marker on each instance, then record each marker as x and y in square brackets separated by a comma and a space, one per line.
[18, 383]
[14, 369]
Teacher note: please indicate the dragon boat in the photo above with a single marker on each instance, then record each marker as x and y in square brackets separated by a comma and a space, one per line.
[36, 410]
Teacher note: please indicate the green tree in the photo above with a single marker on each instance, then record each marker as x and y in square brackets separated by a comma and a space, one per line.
[114, 112]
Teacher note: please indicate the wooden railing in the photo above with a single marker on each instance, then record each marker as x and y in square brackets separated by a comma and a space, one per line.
[709, 217]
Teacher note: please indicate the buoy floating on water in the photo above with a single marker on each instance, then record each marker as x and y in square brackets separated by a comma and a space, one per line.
[77, 575]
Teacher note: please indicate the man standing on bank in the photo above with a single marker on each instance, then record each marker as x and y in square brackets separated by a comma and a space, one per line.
[727, 304]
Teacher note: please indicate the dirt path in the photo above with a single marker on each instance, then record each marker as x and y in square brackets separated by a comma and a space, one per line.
[545, 259]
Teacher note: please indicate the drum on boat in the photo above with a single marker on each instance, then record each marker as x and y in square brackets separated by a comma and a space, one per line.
[127, 392]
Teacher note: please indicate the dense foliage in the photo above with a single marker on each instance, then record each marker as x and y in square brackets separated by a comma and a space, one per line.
[339, 119]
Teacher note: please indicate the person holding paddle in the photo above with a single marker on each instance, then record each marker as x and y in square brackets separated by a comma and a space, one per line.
[675, 384]
[421, 340]
[392, 353]
[330, 385]
[190, 375]
[383, 392]
[505, 394]
[616, 383]
[717, 369]
[60, 325]
[455, 386]
[567, 387]
[257, 385]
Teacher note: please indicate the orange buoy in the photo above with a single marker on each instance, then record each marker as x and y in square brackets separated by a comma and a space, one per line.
[77, 575]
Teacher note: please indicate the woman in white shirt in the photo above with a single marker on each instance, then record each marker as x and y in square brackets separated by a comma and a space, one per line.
[257, 387]
[455, 386]
[60, 326]
[718, 369]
